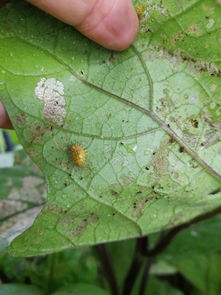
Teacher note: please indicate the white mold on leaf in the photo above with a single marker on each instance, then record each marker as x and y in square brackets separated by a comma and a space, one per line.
[51, 91]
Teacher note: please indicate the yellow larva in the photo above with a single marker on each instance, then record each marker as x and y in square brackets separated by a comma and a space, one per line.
[78, 155]
[140, 11]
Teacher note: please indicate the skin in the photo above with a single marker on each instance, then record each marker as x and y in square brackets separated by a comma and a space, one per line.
[111, 23]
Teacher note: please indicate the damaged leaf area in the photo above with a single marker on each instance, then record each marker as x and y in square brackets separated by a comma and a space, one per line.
[148, 119]
[22, 194]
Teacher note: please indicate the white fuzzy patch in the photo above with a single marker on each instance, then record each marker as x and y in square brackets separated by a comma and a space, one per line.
[210, 23]
[51, 91]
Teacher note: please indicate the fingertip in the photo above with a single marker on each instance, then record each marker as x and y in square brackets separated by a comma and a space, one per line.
[116, 29]
[123, 25]
[111, 23]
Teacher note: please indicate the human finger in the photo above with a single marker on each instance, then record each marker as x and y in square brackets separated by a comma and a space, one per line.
[111, 23]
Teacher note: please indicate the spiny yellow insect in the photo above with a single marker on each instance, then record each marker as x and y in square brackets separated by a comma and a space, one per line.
[78, 155]
[140, 11]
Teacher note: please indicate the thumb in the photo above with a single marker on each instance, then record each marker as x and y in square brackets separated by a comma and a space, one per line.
[111, 23]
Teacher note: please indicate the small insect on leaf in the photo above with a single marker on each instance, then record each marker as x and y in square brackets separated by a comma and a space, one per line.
[140, 11]
[78, 155]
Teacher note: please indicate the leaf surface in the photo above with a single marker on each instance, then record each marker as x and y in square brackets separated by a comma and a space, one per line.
[13, 289]
[22, 194]
[202, 270]
[148, 119]
[81, 289]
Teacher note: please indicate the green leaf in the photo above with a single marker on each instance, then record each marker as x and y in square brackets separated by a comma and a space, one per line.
[54, 271]
[203, 271]
[195, 252]
[121, 255]
[199, 238]
[81, 289]
[22, 193]
[161, 267]
[72, 267]
[14, 289]
[148, 119]
[156, 286]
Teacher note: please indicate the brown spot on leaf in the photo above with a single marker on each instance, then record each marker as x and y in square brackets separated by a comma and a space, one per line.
[178, 37]
[160, 162]
[181, 149]
[83, 225]
[171, 140]
[212, 133]
[20, 118]
[38, 131]
[139, 207]
[195, 123]
[194, 30]
[112, 57]
[53, 208]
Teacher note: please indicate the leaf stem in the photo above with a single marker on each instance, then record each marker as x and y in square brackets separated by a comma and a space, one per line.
[107, 268]
[136, 265]
[145, 277]
[52, 258]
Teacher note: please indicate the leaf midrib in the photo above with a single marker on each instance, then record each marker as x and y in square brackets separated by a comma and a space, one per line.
[149, 113]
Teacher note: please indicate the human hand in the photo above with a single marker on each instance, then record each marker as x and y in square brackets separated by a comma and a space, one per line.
[111, 23]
